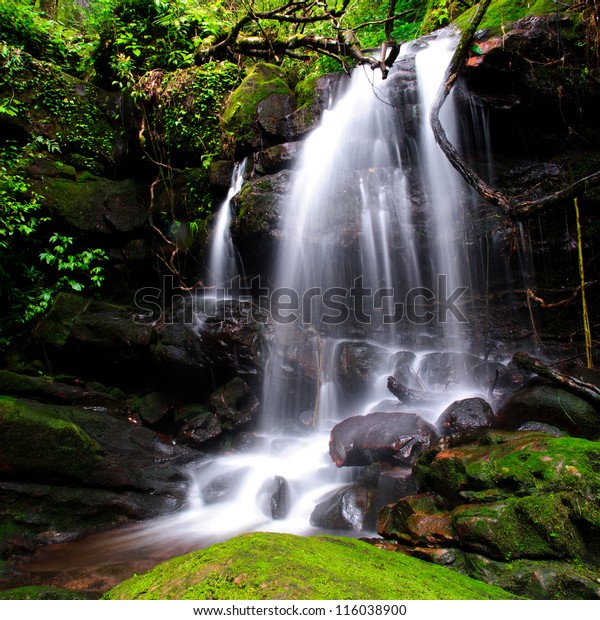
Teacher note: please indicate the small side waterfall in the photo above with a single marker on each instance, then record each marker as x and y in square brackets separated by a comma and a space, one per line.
[222, 261]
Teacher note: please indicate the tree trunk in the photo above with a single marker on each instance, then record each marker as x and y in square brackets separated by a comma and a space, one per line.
[49, 8]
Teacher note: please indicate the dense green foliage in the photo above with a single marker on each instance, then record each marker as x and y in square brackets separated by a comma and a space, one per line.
[169, 67]
[265, 566]
[34, 265]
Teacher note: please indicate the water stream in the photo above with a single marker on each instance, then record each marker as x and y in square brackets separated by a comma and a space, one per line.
[374, 227]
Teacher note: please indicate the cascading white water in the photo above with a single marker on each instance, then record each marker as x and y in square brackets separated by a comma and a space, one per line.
[373, 221]
[222, 263]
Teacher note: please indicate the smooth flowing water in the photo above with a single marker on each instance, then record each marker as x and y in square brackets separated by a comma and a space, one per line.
[373, 246]
[222, 255]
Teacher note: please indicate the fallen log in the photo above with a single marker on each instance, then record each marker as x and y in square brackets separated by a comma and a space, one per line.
[569, 382]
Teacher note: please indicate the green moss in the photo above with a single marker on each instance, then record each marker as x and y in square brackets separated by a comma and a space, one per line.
[503, 12]
[186, 119]
[40, 593]
[265, 566]
[242, 108]
[58, 324]
[77, 115]
[34, 438]
[305, 91]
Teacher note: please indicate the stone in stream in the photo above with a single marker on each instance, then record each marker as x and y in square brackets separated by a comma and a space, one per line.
[469, 414]
[397, 437]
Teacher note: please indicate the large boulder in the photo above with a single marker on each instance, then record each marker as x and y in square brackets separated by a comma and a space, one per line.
[94, 204]
[467, 415]
[397, 438]
[351, 508]
[301, 568]
[65, 470]
[552, 405]
[256, 107]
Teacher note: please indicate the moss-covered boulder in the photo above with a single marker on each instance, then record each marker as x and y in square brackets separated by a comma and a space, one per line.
[80, 118]
[34, 442]
[257, 108]
[266, 566]
[94, 204]
[509, 497]
[65, 470]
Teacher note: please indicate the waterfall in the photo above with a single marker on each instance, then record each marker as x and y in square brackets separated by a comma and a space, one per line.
[374, 223]
[373, 246]
[222, 263]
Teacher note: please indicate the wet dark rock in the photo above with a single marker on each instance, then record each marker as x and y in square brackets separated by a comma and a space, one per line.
[256, 226]
[220, 173]
[198, 423]
[396, 483]
[492, 375]
[352, 508]
[359, 364]
[234, 403]
[296, 348]
[276, 158]
[222, 487]
[551, 405]
[397, 438]
[437, 370]
[404, 394]
[470, 414]
[402, 363]
[274, 496]
[231, 406]
[155, 406]
[222, 335]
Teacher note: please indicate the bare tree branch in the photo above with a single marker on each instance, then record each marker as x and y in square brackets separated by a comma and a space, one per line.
[342, 47]
[569, 382]
[512, 208]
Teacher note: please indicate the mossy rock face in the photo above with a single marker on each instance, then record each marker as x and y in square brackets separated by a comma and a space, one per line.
[512, 496]
[65, 470]
[184, 109]
[35, 441]
[92, 203]
[256, 108]
[266, 566]
[77, 115]
[500, 13]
